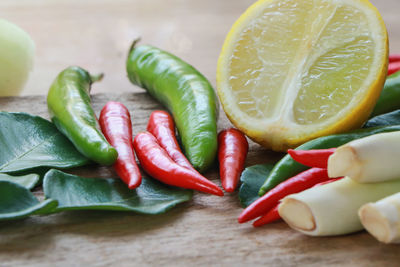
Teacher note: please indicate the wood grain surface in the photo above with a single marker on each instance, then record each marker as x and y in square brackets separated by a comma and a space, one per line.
[96, 34]
[202, 232]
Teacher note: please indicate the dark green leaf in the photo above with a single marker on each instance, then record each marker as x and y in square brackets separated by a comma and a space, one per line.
[18, 202]
[28, 141]
[78, 193]
[28, 181]
[252, 179]
[41, 171]
[387, 119]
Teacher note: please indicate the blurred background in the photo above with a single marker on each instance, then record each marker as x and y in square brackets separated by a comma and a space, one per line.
[96, 34]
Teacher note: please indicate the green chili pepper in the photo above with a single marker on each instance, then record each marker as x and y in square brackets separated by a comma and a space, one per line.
[287, 167]
[70, 110]
[187, 95]
[389, 99]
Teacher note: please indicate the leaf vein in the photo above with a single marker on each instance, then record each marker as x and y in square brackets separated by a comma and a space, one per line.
[27, 152]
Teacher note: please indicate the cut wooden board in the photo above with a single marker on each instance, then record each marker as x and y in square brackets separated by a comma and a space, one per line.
[201, 232]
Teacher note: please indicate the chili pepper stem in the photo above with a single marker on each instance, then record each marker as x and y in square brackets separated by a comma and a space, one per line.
[133, 45]
[96, 78]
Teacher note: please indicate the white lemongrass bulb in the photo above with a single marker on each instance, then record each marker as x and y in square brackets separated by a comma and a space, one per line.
[331, 209]
[382, 219]
[370, 159]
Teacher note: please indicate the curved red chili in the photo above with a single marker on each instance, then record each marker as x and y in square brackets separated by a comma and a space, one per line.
[161, 125]
[329, 181]
[158, 164]
[232, 152]
[393, 67]
[116, 125]
[394, 58]
[312, 158]
[269, 217]
[273, 214]
[298, 183]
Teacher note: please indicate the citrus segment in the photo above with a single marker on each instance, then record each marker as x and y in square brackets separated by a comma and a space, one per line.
[293, 70]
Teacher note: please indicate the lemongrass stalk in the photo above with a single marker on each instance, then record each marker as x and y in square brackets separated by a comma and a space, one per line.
[370, 159]
[382, 219]
[331, 209]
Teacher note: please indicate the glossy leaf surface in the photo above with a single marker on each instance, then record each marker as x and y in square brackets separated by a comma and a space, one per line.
[17, 202]
[28, 181]
[252, 179]
[30, 141]
[79, 193]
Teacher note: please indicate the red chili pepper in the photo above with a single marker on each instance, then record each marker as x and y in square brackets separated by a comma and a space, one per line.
[394, 58]
[161, 125]
[329, 181]
[159, 165]
[312, 158]
[232, 152]
[393, 67]
[273, 214]
[298, 183]
[116, 125]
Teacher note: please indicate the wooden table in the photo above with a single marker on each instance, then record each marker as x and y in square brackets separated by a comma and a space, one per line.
[202, 232]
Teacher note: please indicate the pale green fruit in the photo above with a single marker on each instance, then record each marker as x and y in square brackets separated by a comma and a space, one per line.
[17, 51]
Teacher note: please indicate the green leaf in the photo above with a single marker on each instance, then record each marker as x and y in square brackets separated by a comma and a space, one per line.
[79, 193]
[252, 179]
[387, 119]
[18, 202]
[28, 181]
[41, 171]
[30, 141]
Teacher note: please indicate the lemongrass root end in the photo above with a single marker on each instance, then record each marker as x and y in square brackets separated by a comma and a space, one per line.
[297, 214]
[344, 162]
[375, 223]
